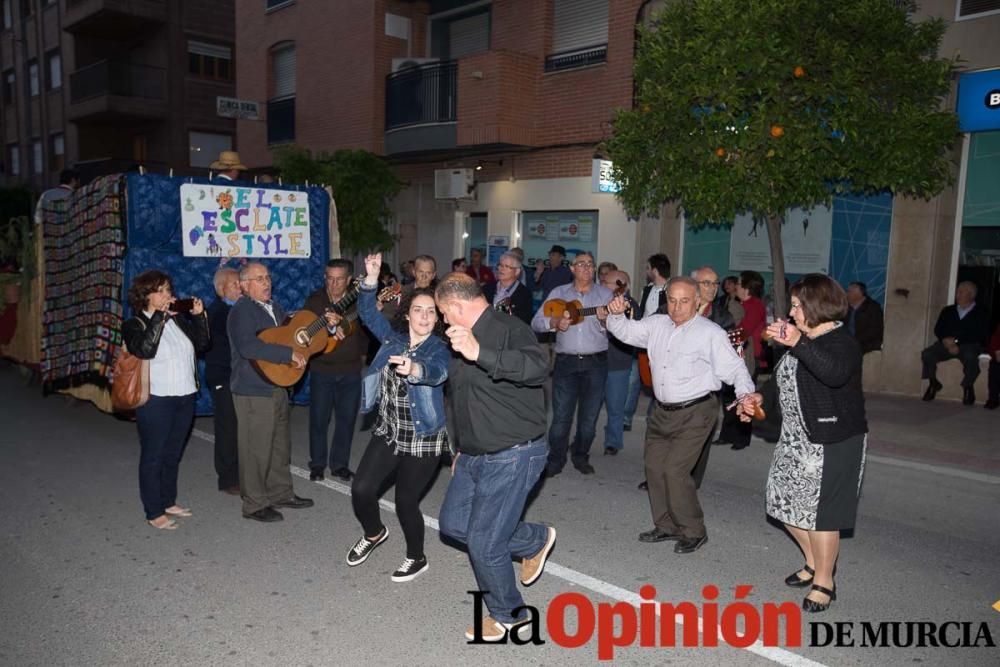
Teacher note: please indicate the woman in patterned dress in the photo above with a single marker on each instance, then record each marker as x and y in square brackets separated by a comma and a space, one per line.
[405, 385]
[815, 476]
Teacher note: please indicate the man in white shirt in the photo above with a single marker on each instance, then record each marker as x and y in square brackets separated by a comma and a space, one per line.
[690, 357]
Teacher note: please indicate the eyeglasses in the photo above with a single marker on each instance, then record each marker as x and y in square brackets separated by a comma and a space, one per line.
[796, 306]
[583, 265]
[506, 266]
[259, 279]
[709, 283]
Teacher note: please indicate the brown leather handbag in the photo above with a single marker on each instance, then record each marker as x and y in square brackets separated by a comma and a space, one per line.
[129, 381]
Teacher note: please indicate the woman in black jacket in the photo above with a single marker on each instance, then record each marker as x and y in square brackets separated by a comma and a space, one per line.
[815, 476]
[156, 331]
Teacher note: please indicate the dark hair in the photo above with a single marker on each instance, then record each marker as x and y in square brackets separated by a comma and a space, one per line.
[458, 286]
[385, 272]
[661, 263]
[67, 176]
[345, 264]
[822, 299]
[752, 282]
[402, 325]
[455, 262]
[730, 280]
[145, 284]
[861, 286]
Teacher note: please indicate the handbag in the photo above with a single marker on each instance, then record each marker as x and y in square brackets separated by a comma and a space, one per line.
[129, 381]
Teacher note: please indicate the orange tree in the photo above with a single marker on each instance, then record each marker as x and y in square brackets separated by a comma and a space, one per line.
[761, 106]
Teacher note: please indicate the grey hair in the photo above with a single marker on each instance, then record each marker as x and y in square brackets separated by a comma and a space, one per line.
[220, 277]
[245, 270]
[512, 255]
[694, 274]
[971, 285]
[683, 280]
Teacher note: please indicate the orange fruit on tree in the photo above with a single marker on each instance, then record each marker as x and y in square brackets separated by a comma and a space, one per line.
[799, 72]
[720, 152]
[777, 131]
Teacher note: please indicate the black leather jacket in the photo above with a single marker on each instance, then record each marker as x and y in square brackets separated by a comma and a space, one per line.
[142, 334]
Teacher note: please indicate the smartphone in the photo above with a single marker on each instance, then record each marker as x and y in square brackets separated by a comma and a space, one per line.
[182, 305]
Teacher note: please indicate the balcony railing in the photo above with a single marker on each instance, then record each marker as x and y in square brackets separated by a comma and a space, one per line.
[281, 120]
[122, 78]
[421, 95]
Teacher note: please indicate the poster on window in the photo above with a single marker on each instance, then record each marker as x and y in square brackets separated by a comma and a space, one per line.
[805, 238]
[253, 222]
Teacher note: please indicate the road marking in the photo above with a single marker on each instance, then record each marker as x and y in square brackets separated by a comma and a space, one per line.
[774, 654]
[937, 470]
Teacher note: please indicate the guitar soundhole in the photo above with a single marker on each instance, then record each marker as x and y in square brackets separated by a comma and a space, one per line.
[302, 337]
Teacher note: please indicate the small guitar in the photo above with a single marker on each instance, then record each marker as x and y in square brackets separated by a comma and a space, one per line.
[577, 313]
[737, 337]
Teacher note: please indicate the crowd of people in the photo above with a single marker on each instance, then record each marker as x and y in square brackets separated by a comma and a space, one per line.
[465, 372]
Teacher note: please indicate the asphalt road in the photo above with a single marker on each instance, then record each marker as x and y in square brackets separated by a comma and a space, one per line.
[86, 582]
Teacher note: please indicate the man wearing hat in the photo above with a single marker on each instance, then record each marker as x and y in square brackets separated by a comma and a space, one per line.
[228, 165]
[556, 274]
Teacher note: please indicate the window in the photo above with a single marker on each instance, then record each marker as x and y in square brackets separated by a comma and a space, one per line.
[26, 7]
[57, 152]
[968, 9]
[37, 165]
[456, 37]
[281, 105]
[14, 155]
[33, 78]
[9, 86]
[210, 60]
[579, 34]
[206, 146]
[54, 68]
[8, 19]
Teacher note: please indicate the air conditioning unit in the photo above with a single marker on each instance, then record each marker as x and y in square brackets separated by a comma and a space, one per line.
[399, 64]
[454, 184]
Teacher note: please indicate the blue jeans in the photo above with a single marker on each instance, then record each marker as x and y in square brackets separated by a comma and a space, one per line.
[577, 386]
[164, 423]
[482, 510]
[634, 385]
[615, 399]
[339, 395]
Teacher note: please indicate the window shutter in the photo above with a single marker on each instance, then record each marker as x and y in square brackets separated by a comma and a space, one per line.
[973, 7]
[578, 24]
[469, 35]
[210, 50]
[284, 72]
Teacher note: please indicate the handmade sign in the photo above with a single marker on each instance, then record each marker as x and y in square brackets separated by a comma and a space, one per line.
[221, 220]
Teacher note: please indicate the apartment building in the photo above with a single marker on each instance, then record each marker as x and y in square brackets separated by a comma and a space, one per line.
[492, 112]
[103, 85]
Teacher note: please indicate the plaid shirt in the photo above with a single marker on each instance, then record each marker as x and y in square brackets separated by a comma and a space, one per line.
[395, 420]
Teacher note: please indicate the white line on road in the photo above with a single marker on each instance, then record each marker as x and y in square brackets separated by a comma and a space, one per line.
[772, 653]
[937, 470]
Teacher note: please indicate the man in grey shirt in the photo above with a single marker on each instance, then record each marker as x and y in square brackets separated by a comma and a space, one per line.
[690, 357]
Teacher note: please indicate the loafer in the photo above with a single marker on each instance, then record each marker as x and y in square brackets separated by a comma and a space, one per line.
[315, 474]
[610, 451]
[932, 389]
[343, 473]
[295, 503]
[585, 468]
[657, 535]
[267, 515]
[687, 545]
[643, 485]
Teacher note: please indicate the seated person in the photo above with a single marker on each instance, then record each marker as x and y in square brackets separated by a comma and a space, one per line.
[961, 332]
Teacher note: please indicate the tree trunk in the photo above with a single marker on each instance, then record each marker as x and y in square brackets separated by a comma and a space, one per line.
[780, 305]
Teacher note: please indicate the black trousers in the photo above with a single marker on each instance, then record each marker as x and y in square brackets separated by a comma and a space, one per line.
[994, 378]
[968, 354]
[412, 473]
[733, 430]
[226, 454]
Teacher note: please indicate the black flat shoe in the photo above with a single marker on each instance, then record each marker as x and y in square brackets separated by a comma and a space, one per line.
[657, 535]
[610, 451]
[795, 581]
[814, 607]
[643, 486]
[687, 545]
[968, 396]
[315, 474]
[343, 473]
[266, 515]
[295, 503]
[932, 389]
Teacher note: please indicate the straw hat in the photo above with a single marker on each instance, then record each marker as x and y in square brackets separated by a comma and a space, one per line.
[228, 160]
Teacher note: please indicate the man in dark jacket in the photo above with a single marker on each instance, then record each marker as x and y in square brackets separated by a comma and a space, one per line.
[217, 372]
[508, 294]
[654, 294]
[864, 321]
[962, 330]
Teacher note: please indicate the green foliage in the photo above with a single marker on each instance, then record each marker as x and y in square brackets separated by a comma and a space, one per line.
[716, 79]
[362, 187]
[18, 259]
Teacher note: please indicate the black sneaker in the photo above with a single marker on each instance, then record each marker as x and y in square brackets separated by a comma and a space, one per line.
[364, 547]
[410, 569]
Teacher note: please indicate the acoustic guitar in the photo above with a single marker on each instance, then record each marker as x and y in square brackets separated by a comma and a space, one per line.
[737, 337]
[577, 313]
[348, 325]
[306, 333]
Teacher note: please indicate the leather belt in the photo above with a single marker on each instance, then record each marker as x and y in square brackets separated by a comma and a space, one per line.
[671, 407]
[582, 356]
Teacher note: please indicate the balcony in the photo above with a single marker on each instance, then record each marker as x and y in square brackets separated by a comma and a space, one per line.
[111, 89]
[113, 19]
[484, 100]
[420, 108]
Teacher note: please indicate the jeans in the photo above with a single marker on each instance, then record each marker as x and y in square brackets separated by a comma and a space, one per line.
[482, 510]
[412, 475]
[615, 399]
[634, 385]
[164, 423]
[338, 395]
[577, 386]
